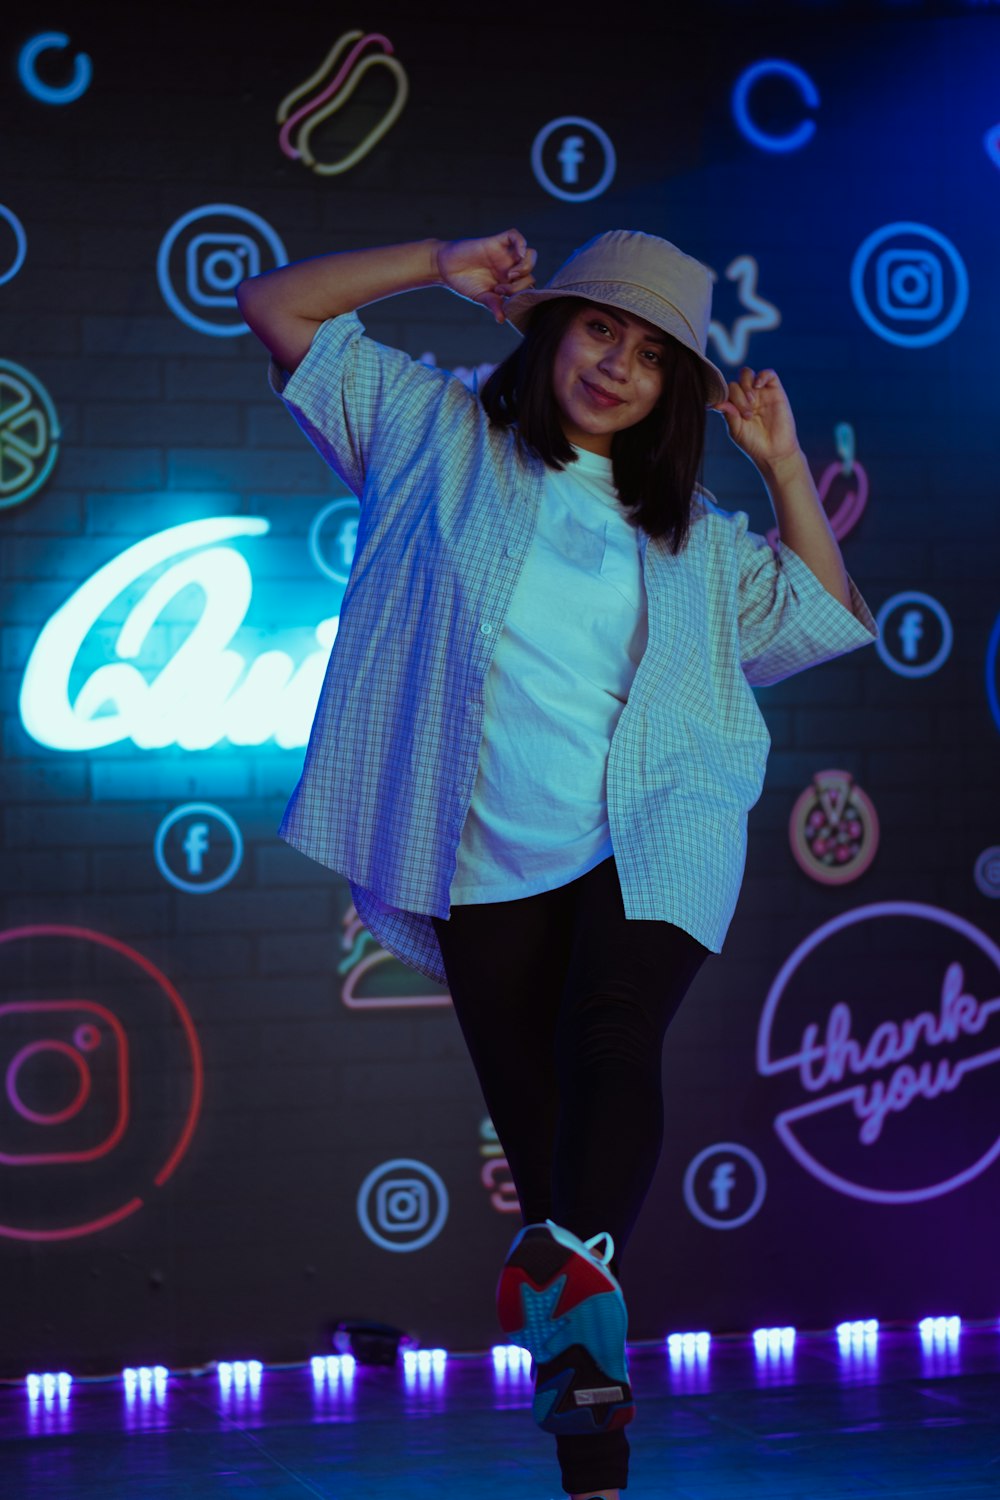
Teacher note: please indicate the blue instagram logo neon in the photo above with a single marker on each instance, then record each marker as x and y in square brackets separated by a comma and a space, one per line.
[910, 295]
[909, 284]
[216, 264]
[208, 265]
[402, 1203]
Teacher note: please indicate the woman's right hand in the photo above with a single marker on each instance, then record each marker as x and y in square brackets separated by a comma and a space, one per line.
[488, 271]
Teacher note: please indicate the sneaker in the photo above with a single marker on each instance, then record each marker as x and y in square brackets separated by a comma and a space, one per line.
[558, 1299]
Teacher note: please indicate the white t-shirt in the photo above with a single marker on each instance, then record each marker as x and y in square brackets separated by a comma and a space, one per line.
[573, 638]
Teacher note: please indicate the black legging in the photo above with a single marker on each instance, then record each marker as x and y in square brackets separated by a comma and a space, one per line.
[564, 1004]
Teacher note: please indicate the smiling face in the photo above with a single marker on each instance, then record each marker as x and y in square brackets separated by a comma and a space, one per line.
[607, 375]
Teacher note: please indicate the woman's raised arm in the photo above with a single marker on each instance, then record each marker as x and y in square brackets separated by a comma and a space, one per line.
[284, 307]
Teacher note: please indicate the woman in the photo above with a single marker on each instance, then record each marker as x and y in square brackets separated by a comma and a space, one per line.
[536, 745]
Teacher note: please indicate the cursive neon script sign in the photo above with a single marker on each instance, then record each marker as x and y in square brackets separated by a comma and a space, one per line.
[839, 1053]
[873, 1074]
[206, 691]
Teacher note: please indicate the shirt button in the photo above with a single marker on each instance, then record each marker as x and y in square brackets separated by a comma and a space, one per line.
[486, 628]
[513, 550]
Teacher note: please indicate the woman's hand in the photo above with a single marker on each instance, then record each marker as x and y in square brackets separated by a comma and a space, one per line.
[760, 419]
[489, 270]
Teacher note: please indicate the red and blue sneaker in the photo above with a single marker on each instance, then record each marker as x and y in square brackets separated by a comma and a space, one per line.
[558, 1299]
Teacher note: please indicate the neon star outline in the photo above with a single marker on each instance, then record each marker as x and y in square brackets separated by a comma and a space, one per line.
[733, 344]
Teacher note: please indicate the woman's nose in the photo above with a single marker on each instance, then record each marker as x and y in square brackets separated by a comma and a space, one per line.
[614, 364]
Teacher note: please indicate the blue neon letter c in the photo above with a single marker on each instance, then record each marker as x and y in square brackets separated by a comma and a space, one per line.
[741, 112]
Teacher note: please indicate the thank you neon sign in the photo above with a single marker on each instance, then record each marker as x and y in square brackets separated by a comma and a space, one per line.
[883, 1054]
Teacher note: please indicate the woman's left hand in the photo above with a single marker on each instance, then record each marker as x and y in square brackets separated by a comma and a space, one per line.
[759, 417]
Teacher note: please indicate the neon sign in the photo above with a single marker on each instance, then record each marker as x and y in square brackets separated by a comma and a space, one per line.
[733, 343]
[334, 95]
[839, 1052]
[47, 41]
[206, 691]
[867, 1077]
[29, 434]
[847, 510]
[402, 1205]
[80, 1045]
[202, 259]
[795, 139]
[993, 671]
[573, 151]
[20, 243]
[911, 295]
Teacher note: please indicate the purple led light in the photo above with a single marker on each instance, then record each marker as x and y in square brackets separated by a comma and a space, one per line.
[48, 1385]
[332, 1368]
[688, 1345]
[773, 1341]
[510, 1358]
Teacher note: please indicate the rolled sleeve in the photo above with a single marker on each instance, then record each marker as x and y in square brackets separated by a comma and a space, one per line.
[351, 396]
[788, 621]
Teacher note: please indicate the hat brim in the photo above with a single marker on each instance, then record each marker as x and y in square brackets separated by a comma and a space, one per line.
[518, 311]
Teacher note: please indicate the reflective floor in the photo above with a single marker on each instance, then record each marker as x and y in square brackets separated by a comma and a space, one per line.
[823, 1418]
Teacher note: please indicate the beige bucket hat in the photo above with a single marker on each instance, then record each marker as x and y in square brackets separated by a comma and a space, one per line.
[643, 275]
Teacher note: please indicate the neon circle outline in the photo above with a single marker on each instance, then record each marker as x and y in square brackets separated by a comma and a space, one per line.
[914, 596]
[797, 138]
[47, 41]
[991, 144]
[166, 1171]
[759, 1175]
[170, 297]
[364, 1192]
[542, 177]
[121, 1124]
[988, 856]
[227, 822]
[54, 434]
[832, 875]
[56, 1117]
[20, 241]
[859, 265]
[992, 666]
[767, 1069]
[318, 520]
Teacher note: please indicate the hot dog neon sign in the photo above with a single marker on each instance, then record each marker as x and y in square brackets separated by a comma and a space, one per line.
[206, 691]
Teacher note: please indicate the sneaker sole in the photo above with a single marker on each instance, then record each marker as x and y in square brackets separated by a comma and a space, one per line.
[572, 1319]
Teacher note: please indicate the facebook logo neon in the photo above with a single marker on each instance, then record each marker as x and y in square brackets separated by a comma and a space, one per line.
[195, 846]
[725, 1185]
[911, 632]
[720, 1185]
[570, 155]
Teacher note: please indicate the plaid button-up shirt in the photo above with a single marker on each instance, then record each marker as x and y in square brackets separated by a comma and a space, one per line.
[448, 511]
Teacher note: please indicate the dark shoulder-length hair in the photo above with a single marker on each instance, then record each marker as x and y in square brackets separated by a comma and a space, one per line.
[655, 463]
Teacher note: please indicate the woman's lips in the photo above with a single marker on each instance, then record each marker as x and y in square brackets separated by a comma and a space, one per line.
[599, 397]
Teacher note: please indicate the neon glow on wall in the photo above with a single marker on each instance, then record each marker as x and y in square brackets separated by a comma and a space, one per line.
[207, 691]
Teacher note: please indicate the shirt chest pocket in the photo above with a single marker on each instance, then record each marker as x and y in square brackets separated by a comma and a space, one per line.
[599, 551]
[582, 545]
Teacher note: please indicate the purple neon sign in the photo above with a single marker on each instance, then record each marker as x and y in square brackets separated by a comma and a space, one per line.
[861, 1078]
